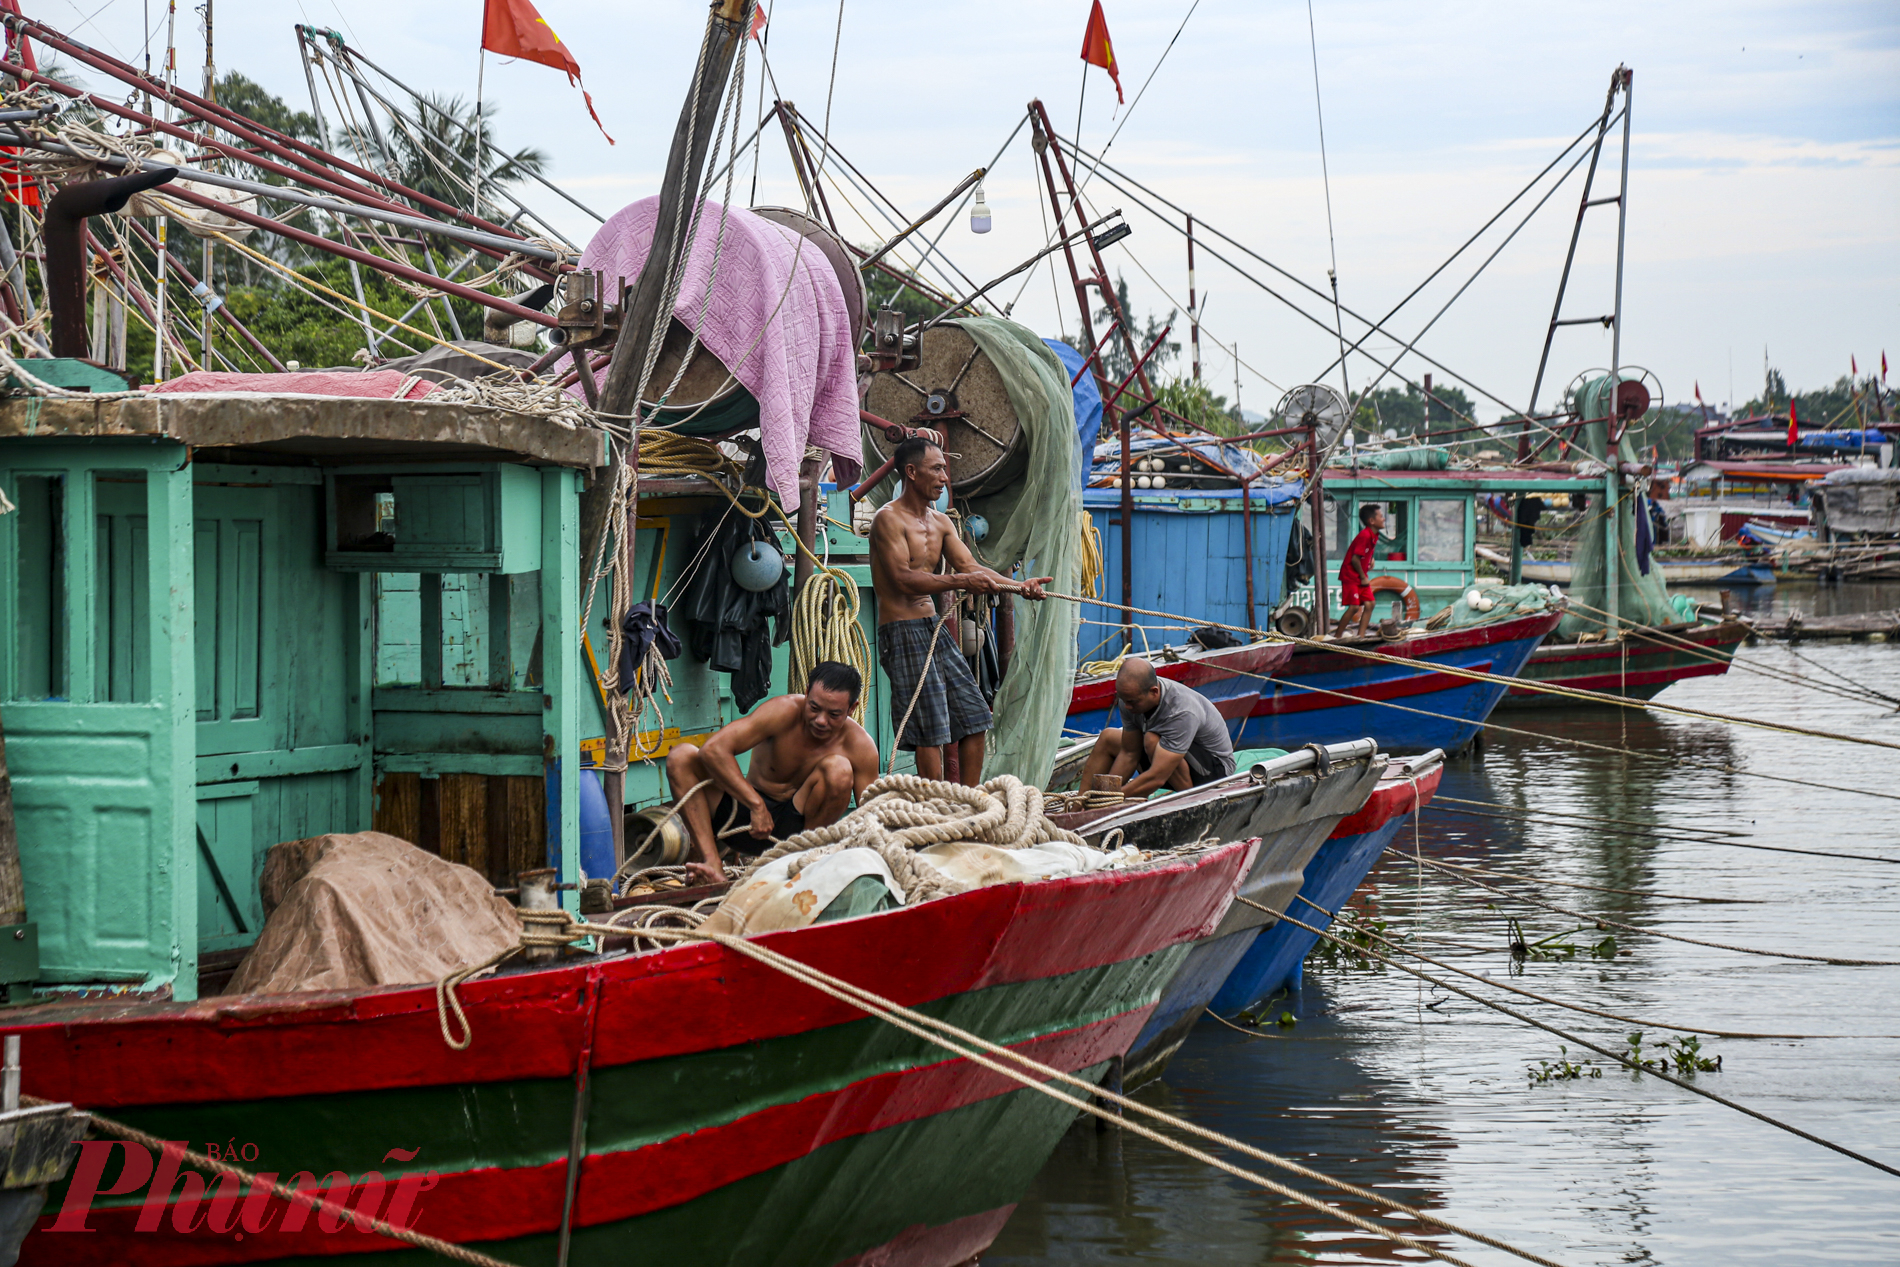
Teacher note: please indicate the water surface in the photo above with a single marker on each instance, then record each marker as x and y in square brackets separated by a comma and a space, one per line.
[1398, 1086]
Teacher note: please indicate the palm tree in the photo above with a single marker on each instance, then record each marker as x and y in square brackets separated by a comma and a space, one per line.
[435, 154]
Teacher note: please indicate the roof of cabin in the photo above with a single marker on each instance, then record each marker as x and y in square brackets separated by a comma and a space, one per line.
[326, 429]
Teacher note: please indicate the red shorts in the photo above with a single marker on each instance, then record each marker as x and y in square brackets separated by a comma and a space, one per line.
[1353, 594]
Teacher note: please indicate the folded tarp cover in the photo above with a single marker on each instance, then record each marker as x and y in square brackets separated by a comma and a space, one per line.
[374, 384]
[351, 911]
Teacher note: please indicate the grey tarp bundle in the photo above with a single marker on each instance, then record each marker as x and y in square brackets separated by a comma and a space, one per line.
[1640, 599]
[1036, 522]
[351, 911]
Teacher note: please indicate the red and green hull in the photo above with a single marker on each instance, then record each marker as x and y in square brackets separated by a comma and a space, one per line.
[733, 1117]
[1639, 666]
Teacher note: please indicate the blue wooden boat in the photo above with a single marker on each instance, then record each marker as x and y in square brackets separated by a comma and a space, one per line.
[1288, 805]
[1327, 696]
[1273, 959]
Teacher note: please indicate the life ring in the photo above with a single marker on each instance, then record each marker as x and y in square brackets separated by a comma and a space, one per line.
[1403, 589]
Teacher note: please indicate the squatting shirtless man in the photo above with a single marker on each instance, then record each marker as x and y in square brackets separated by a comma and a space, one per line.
[910, 541]
[809, 759]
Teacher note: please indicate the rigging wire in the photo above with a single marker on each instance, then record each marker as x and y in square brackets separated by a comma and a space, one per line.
[1326, 181]
[1583, 1042]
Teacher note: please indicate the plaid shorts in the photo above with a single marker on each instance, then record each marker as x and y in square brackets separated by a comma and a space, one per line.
[949, 706]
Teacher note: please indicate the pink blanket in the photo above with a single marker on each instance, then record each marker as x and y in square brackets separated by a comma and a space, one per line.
[802, 371]
[378, 384]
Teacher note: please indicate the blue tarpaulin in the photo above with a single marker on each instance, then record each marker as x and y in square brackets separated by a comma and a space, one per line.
[1088, 398]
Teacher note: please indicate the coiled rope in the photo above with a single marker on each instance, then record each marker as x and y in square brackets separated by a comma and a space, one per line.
[902, 813]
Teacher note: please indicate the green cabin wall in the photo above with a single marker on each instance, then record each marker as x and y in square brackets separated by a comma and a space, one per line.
[185, 680]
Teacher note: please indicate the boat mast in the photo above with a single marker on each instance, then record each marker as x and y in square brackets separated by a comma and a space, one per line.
[1613, 429]
[640, 306]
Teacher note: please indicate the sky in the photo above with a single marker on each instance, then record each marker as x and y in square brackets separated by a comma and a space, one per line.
[1764, 167]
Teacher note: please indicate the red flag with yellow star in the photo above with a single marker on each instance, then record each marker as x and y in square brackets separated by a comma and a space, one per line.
[515, 28]
[1097, 51]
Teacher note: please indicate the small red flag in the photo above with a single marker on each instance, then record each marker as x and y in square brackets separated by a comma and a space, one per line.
[1698, 391]
[758, 22]
[1794, 432]
[1097, 51]
[1853, 366]
[514, 28]
[1883, 366]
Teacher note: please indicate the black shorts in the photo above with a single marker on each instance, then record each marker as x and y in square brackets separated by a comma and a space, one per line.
[728, 812]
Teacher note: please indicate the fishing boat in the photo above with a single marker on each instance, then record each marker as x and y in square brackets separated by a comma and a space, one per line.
[1274, 959]
[1732, 570]
[1403, 698]
[725, 1114]
[1639, 665]
[1289, 803]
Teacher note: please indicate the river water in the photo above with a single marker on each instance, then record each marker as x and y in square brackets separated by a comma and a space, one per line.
[1395, 1085]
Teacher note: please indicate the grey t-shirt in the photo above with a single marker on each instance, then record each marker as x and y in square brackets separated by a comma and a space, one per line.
[1187, 722]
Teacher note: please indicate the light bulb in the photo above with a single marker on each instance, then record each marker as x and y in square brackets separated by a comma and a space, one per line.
[979, 213]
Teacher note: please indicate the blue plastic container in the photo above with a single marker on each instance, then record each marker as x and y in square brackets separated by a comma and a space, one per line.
[597, 829]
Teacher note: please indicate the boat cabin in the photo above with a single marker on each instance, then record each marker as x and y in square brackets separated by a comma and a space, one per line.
[232, 620]
[1430, 537]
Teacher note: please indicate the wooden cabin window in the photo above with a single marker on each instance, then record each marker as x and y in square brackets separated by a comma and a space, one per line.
[1441, 531]
[122, 650]
[40, 596]
[455, 629]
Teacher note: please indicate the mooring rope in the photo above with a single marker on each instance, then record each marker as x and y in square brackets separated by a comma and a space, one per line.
[1606, 922]
[1601, 1051]
[252, 1182]
[1716, 836]
[1600, 888]
[1479, 675]
[1637, 1021]
[1570, 739]
[1034, 1075]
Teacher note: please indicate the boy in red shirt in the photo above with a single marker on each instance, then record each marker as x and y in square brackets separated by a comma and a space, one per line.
[1355, 573]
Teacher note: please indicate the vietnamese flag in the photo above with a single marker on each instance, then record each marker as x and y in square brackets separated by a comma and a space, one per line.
[1794, 433]
[1097, 51]
[514, 28]
[758, 22]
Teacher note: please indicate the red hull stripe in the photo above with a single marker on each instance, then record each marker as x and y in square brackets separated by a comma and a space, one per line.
[1310, 663]
[1098, 693]
[1293, 699]
[1391, 798]
[691, 998]
[1614, 681]
[508, 1203]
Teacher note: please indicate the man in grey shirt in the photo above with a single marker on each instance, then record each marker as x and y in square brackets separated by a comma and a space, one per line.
[1171, 733]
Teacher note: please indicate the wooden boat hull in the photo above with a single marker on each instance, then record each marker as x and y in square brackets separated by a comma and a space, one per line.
[1275, 957]
[1291, 815]
[733, 1117]
[1327, 696]
[1232, 677]
[1674, 571]
[1639, 667]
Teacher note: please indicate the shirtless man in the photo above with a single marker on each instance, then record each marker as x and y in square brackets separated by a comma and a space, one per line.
[910, 539]
[809, 759]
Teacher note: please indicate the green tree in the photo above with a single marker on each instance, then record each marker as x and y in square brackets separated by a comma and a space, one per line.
[1198, 403]
[1406, 411]
[1117, 364]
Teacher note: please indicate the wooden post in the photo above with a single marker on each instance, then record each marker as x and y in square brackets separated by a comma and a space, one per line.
[1517, 540]
[170, 572]
[561, 673]
[640, 313]
[12, 884]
